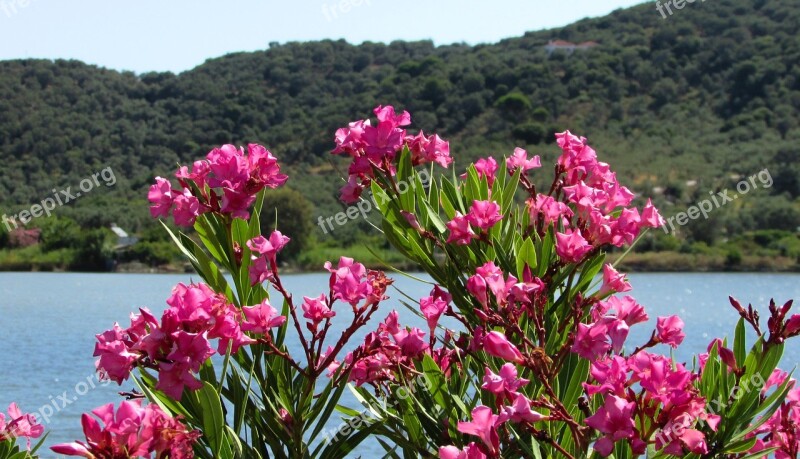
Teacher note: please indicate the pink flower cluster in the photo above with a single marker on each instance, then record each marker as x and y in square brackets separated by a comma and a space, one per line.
[612, 318]
[487, 167]
[239, 178]
[178, 345]
[485, 423]
[393, 349]
[483, 215]
[782, 429]
[590, 203]
[349, 281]
[132, 431]
[377, 147]
[666, 397]
[19, 425]
[498, 293]
[384, 352]
[264, 256]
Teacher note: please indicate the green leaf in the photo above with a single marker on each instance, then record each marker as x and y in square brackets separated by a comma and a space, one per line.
[740, 446]
[405, 175]
[213, 418]
[526, 256]
[327, 405]
[341, 448]
[509, 191]
[739, 344]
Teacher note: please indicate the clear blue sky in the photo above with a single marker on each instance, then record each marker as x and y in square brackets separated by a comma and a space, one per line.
[177, 35]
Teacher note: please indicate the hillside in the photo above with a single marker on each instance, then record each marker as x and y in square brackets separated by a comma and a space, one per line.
[681, 107]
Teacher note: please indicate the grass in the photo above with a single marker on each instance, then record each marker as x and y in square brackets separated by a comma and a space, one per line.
[33, 259]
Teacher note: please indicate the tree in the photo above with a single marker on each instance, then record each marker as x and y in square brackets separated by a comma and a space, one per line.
[293, 218]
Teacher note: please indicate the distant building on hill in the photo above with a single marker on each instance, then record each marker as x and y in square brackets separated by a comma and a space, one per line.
[568, 47]
[123, 239]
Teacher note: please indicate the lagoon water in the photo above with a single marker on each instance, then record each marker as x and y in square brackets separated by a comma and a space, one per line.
[48, 322]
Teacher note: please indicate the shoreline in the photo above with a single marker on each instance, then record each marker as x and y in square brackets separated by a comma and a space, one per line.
[645, 262]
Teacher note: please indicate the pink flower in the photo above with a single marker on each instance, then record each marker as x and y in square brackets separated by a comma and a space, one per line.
[487, 167]
[613, 281]
[617, 331]
[350, 139]
[626, 308]
[432, 308]
[725, 354]
[316, 309]
[504, 382]
[662, 378]
[236, 202]
[384, 140]
[260, 318]
[476, 285]
[612, 375]
[191, 305]
[483, 426]
[571, 246]
[626, 227]
[678, 436]
[591, 341]
[226, 327]
[525, 291]
[460, 231]
[200, 170]
[133, 431]
[484, 214]
[520, 161]
[552, 211]
[650, 216]
[263, 167]
[386, 114]
[351, 192]
[411, 342]
[776, 378]
[497, 345]
[20, 425]
[116, 360]
[438, 151]
[585, 197]
[615, 420]
[471, 451]
[189, 352]
[617, 195]
[229, 166]
[348, 281]
[268, 247]
[187, 208]
[792, 326]
[259, 270]
[161, 195]
[670, 330]
[429, 149]
[519, 411]
[178, 346]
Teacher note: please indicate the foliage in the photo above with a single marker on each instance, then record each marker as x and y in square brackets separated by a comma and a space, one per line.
[291, 211]
[95, 251]
[709, 93]
[534, 363]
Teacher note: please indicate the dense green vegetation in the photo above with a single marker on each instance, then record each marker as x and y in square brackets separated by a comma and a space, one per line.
[680, 107]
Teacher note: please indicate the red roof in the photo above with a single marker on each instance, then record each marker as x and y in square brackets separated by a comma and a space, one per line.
[560, 43]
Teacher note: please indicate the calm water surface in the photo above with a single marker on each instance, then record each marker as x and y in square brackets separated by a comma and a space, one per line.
[48, 322]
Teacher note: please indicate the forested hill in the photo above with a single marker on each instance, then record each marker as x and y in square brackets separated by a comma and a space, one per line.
[711, 92]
